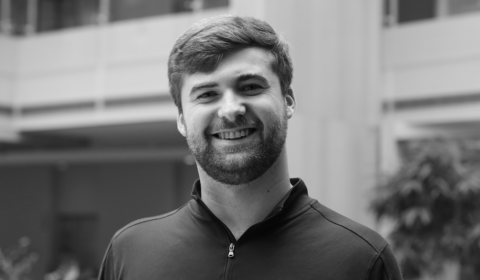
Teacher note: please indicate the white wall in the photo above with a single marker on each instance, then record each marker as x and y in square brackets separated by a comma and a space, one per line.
[57, 67]
[431, 59]
[334, 47]
[332, 136]
[7, 68]
[95, 64]
[7, 132]
[434, 58]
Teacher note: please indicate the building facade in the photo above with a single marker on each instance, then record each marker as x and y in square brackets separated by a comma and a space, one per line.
[88, 138]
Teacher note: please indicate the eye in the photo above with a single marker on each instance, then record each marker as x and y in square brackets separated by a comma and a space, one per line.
[252, 88]
[207, 94]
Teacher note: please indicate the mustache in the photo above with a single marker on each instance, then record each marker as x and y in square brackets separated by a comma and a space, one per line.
[238, 122]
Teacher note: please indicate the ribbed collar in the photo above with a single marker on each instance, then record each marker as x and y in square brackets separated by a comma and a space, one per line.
[293, 201]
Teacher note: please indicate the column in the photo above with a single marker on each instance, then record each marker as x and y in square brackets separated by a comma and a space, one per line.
[332, 142]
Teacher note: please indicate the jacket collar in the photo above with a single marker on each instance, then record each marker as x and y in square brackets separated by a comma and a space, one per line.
[293, 201]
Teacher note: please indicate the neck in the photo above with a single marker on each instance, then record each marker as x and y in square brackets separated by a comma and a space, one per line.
[241, 206]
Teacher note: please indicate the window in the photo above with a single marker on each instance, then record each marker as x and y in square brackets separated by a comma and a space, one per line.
[412, 10]
[403, 11]
[50, 15]
[208, 4]
[59, 14]
[131, 9]
[78, 238]
[463, 6]
[18, 16]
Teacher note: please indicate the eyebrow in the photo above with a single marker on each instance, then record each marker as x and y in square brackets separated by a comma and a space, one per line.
[239, 79]
[203, 86]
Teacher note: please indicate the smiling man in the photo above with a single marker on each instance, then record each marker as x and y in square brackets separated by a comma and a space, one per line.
[230, 79]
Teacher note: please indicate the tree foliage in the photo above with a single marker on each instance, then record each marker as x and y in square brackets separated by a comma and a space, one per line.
[434, 201]
[17, 262]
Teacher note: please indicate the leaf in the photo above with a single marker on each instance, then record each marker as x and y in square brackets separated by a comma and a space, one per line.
[425, 216]
[424, 171]
[435, 197]
[416, 214]
[410, 186]
[471, 184]
[475, 232]
[443, 186]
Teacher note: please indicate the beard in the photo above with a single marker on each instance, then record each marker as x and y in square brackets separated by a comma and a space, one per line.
[258, 156]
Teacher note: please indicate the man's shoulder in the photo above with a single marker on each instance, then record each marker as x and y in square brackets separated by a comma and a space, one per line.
[142, 228]
[359, 249]
[335, 225]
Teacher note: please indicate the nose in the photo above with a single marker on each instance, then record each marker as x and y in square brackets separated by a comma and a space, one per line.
[231, 106]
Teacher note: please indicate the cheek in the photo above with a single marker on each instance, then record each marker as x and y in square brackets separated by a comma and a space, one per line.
[272, 111]
[197, 121]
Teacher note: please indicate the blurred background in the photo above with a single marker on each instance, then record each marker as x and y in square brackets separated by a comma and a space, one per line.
[88, 139]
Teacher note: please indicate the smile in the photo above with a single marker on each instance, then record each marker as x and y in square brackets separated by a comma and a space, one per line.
[233, 135]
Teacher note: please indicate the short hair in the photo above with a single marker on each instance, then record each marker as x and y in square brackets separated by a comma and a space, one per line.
[202, 47]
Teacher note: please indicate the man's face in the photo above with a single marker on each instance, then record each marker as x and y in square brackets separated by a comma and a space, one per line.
[235, 118]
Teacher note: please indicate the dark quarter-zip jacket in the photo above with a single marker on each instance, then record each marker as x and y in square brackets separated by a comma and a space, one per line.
[300, 239]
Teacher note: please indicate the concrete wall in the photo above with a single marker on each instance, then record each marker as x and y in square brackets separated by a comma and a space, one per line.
[122, 193]
[433, 66]
[7, 70]
[94, 66]
[334, 46]
[116, 193]
[26, 199]
[332, 137]
[434, 58]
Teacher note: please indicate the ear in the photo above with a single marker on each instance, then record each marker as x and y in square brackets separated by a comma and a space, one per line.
[290, 102]
[181, 125]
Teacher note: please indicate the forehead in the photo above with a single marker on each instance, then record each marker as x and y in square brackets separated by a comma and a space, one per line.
[251, 60]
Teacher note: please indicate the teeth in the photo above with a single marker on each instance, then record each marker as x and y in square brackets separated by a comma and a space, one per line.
[235, 134]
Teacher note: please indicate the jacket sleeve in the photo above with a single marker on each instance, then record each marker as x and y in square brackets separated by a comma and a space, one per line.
[385, 266]
[107, 271]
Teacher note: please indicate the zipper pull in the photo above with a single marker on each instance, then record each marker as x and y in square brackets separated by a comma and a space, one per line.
[230, 250]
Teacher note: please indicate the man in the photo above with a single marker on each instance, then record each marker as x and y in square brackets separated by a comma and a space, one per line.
[230, 79]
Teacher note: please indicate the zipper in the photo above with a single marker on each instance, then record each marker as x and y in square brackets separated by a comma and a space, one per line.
[230, 260]
[230, 237]
[231, 250]
[231, 240]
